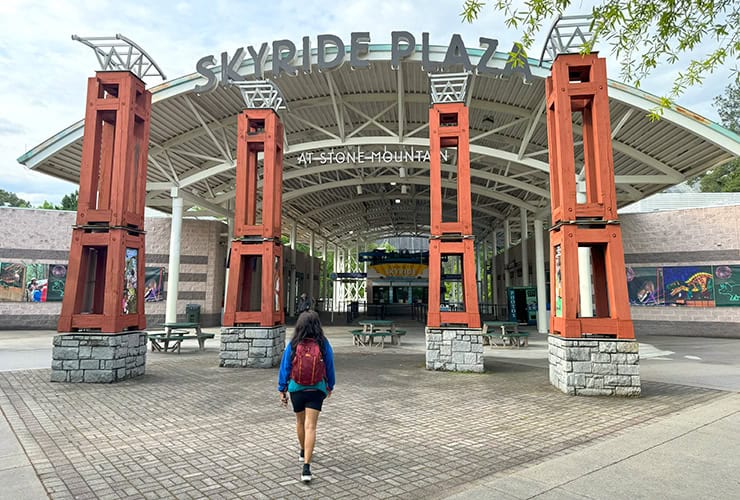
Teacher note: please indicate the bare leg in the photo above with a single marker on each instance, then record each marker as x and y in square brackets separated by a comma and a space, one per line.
[299, 428]
[312, 417]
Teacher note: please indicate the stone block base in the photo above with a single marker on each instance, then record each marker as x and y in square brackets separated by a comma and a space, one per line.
[454, 349]
[252, 346]
[98, 357]
[594, 367]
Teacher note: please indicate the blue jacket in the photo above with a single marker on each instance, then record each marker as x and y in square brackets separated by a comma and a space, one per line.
[286, 383]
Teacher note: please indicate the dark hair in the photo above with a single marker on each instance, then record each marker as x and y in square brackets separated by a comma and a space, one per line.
[308, 326]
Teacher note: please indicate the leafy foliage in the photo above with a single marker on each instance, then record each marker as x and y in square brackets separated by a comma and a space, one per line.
[643, 34]
[725, 178]
[11, 200]
[69, 202]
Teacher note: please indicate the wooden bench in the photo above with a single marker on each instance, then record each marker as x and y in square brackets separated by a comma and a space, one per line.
[520, 339]
[358, 337]
[396, 336]
[372, 337]
[161, 340]
[363, 338]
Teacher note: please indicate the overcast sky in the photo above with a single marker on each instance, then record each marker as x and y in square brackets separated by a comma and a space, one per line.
[44, 72]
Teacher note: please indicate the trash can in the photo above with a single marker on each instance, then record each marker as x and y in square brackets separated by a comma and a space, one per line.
[192, 313]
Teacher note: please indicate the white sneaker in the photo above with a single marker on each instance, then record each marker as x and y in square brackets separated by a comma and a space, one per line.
[306, 474]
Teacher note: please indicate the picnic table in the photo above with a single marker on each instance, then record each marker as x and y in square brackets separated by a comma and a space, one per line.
[505, 331]
[170, 339]
[376, 330]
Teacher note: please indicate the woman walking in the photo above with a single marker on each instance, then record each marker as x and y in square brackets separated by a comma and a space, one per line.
[307, 373]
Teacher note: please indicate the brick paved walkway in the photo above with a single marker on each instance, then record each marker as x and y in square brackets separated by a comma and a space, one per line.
[189, 429]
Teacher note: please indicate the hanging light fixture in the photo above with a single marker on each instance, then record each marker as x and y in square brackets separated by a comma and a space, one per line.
[404, 189]
[359, 189]
[402, 172]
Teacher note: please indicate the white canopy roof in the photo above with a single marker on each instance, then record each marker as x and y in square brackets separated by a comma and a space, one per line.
[193, 144]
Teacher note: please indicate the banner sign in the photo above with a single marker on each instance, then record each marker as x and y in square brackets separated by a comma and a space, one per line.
[400, 269]
[358, 156]
[348, 276]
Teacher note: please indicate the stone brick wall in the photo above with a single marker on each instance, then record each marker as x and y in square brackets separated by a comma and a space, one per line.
[82, 357]
[690, 237]
[591, 367]
[454, 349]
[44, 236]
[252, 347]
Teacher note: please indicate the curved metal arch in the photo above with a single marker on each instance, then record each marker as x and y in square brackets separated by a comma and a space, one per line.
[405, 216]
[622, 93]
[133, 58]
[474, 172]
[386, 179]
[313, 213]
[382, 232]
[422, 229]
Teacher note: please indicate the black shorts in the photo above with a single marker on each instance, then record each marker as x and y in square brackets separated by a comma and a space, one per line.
[307, 399]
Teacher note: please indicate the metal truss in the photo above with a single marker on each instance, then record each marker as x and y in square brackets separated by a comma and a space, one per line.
[261, 94]
[121, 54]
[448, 87]
[352, 290]
[568, 35]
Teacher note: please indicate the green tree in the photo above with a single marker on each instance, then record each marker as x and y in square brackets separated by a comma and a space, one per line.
[47, 205]
[69, 201]
[11, 200]
[725, 178]
[642, 33]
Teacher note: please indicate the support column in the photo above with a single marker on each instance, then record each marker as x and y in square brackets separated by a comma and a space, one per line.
[453, 338]
[103, 307]
[507, 249]
[254, 331]
[485, 272]
[292, 286]
[173, 268]
[322, 275]
[524, 247]
[539, 249]
[585, 285]
[310, 290]
[494, 275]
[578, 86]
[229, 240]
[335, 283]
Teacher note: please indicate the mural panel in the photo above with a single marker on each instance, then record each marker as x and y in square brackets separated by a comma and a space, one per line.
[36, 282]
[154, 283]
[645, 286]
[57, 280]
[12, 280]
[689, 286]
[727, 285]
[130, 280]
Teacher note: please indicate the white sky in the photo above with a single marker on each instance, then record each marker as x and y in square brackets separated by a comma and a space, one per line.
[44, 72]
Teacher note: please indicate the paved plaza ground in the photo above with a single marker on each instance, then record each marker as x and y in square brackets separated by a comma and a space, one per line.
[189, 429]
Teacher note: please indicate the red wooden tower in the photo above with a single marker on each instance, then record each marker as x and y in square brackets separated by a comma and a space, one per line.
[578, 85]
[105, 279]
[448, 128]
[256, 248]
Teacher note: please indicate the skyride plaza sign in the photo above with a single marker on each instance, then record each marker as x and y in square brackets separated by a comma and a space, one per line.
[332, 53]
